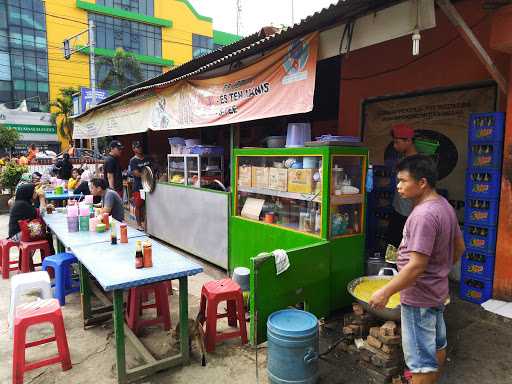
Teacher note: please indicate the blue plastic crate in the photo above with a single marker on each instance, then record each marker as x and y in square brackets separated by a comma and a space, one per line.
[486, 127]
[481, 211]
[478, 264]
[485, 155]
[483, 183]
[480, 238]
[474, 289]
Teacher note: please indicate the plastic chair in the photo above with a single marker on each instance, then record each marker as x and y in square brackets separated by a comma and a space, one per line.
[212, 294]
[5, 260]
[27, 249]
[26, 282]
[135, 306]
[63, 282]
[27, 315]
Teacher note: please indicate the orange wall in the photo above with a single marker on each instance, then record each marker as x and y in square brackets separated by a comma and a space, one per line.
[452, 62]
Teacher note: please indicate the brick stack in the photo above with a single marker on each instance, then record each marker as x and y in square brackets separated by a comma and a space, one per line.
[356, 325]
[381, 354]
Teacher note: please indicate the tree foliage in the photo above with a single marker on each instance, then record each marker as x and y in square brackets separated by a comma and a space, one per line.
[11, 174]
[8, 137]
[62, 109]
[122, 70]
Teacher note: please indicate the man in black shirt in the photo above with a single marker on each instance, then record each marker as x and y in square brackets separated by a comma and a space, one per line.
[64, 167]
[112, 172]
[137, 163]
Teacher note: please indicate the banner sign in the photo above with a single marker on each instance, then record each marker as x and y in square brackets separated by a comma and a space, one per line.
[280, 83]
[440, 116]
[26, 128]
[86, 97]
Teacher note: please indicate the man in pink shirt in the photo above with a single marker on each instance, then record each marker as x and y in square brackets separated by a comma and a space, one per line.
[432, 242]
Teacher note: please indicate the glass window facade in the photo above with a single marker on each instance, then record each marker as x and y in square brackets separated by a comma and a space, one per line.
[148, 71]
[132, 36]
[23, 53]
[144, 7]
[201, 45]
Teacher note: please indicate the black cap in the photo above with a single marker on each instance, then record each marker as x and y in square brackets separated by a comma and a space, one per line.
[136, 144]
[116, 144]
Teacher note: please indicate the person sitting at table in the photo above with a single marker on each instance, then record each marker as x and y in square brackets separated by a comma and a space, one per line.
[64, 167]
[23, 208]
[110, 200]
[74, 180]
[83, 187]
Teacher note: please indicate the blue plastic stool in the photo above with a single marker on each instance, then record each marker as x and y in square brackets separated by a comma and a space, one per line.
[63, 282]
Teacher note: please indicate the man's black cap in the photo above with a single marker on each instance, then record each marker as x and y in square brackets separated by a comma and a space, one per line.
[116, 144]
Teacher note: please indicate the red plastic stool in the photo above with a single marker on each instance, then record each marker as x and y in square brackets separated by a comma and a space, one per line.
[136, 306]
[27, 249]
[212, 293]
[37, 312]
[5, 261]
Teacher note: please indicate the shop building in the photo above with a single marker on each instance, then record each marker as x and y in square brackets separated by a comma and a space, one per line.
[161, 33]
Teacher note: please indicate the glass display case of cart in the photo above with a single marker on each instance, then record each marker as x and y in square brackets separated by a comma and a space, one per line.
[346, 195]
[195, 170]
[284, 191]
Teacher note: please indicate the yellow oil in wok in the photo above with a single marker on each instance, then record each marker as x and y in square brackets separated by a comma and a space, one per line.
[365, 289]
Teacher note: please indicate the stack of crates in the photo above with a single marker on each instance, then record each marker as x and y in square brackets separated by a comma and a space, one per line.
[380, 207]
[483, 179]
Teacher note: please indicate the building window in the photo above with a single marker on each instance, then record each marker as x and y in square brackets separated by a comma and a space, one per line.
[148, 71]
[143, 7]
[112, 33]
[201, 45]
[23, 39]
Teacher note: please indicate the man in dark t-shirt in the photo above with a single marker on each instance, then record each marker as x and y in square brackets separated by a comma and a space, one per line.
[137, 163]
[112, 172]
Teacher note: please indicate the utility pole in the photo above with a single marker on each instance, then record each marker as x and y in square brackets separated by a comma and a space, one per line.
[238, 17]
[293, 16]
[70, 50]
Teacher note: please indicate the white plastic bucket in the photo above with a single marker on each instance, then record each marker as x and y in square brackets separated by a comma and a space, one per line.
[298, 134]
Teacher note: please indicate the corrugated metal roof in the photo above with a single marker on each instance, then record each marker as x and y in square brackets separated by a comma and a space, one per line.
[267, 38]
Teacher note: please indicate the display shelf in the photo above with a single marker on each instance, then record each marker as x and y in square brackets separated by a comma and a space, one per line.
[195, 165]
[347, 199]
[315, 197]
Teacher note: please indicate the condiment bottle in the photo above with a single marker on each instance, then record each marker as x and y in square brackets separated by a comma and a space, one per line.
[113, 233]
[147, 252]
[106, 220]
[123, 228]
[139, 259]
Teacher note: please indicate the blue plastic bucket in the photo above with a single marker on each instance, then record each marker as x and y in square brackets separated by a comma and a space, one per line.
[292, 357]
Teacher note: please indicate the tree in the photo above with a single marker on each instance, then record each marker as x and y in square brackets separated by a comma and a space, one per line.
[8, 137]
[62, 109]
[122, 70]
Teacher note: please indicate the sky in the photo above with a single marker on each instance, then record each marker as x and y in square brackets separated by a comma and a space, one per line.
[257, 13]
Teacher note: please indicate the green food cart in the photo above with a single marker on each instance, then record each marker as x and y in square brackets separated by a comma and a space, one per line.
[311, 202]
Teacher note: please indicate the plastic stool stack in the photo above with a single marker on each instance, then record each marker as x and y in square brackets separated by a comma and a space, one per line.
[27, 315]
[135, 306]
[5, 260]
[64, 284]
[27, 282]
[212, 294]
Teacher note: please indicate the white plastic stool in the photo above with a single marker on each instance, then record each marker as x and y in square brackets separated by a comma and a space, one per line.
[26, 282]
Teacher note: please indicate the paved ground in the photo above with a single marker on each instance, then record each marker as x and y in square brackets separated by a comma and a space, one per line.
[480, 349]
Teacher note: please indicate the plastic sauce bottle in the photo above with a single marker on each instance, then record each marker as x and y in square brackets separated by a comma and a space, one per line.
[369, 179]
[147, 252]
[106, 220]
[113, 233]
[123, 228]
[139, 260]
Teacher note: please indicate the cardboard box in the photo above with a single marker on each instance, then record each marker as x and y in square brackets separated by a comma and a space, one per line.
[300, 180]
[278, 179]
[245, 176]
[260, 176]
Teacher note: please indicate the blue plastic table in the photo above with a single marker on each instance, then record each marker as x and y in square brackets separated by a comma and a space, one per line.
[113, 266]
[63, 196]
[57, 222]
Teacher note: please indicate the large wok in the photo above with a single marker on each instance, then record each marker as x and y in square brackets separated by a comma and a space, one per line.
[386, 313]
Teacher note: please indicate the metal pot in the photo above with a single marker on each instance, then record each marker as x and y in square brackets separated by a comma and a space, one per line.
[386, 313]
[148, 179]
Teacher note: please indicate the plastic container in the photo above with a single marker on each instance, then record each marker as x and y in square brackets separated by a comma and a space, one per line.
[474, 289]
[206, 150]
[297, 134]
[369, 179]
[292, 347]
[275, 141]
[486, 127]
[100, 227]
[478, 264]
[480, 238]
[105, 219]
[84, 223]
[92, 224]
[177, 145]
[192, 142]
[241, 275]
[481, 211]
[72, 211]
[73, 224]
[123, 229]
[309, 162]
[426, 147]
[485, 155]
[483, 183]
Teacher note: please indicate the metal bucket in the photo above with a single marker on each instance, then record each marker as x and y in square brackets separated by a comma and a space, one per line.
[292, 347]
